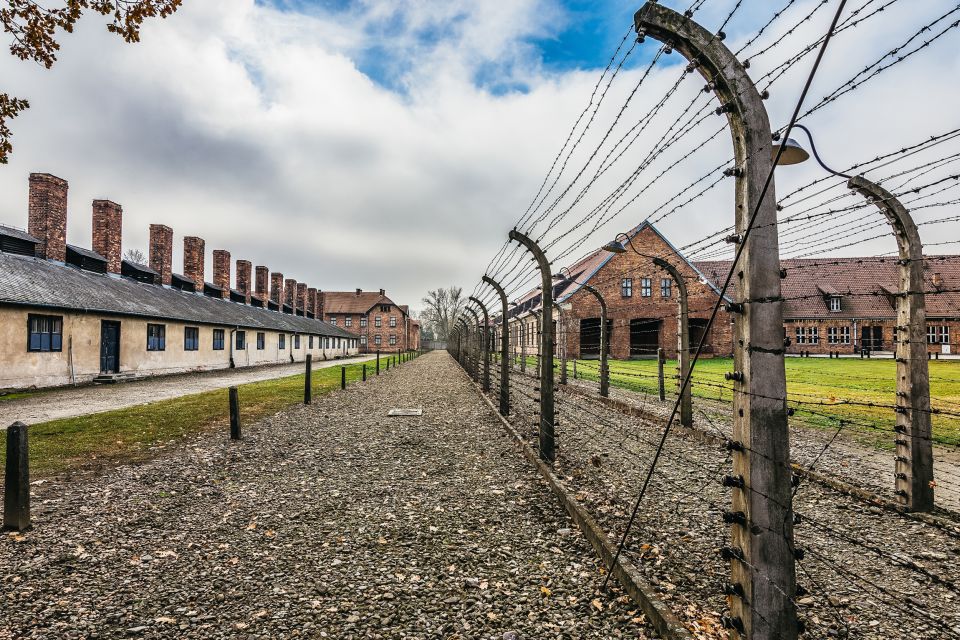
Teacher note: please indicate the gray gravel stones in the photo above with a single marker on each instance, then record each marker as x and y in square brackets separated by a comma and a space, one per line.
[328, 521]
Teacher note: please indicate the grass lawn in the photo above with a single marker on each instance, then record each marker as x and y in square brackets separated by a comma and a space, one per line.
[819, 389]
[126, 434]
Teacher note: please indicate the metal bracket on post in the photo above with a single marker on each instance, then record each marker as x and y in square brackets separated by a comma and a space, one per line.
[765, 579]
[683, 340]
[547, 436]
[914, 459]
[604, 364]
[504, 347]
[485, 343]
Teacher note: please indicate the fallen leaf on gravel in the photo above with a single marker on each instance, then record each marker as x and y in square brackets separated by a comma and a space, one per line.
[597, 604]
[545, 591]
[165, 620]
[270, 533]
[251, 526]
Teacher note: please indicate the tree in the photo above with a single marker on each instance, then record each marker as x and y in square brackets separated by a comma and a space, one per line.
[34, 29]
[135, 255]
[443, 306]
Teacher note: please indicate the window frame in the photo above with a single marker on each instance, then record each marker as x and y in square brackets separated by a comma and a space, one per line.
[666, 287]
[296, 341]
[219, 338]
[393, 322]
[348, 321]
[282, 342]
[261, 340]
[393, 340]
[646, 287]
[626, 288]
[801, 335]
[158, 341]
[54, 336]
[363, 322]
[194, 343]
[378, 340]
[240, 341]
[834, 304]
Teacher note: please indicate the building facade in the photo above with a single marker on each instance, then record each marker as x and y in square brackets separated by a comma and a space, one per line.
[72, 315]
[377, 321]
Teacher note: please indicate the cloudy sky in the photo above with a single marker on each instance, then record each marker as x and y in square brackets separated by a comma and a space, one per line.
[382, 143]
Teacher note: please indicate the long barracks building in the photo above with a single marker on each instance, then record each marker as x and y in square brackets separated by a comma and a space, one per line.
[839, 305]
[69, 314]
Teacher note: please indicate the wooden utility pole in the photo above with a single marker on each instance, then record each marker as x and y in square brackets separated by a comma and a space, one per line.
[547, 436]
[914, 460]
[762, 554]
[683, 341]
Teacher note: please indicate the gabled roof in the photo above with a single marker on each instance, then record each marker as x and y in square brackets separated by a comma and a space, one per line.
[863, 284]
[351, 302]
[34, 282]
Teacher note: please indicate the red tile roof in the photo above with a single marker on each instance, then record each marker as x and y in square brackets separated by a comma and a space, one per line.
[351, 302]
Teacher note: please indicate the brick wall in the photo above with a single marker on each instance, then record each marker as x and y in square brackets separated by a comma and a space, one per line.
[290, 293]
[221, 271]
[301, 298]
[276, 287]
[244, 269]
[263, 280]
[107, 232]
[47, 215]
[193, 257]
[161, 251]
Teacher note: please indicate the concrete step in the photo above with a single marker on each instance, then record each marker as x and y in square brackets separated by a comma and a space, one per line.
[113, 378]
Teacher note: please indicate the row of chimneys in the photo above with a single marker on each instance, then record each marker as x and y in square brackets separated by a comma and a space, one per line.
[48, 223]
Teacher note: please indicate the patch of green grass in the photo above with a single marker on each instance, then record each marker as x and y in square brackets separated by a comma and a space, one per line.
[821, 390]
[127, 434]
[16, 395]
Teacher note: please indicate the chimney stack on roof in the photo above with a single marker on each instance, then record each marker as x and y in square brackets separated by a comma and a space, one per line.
[107, 232]
[47, 215]
[221, 271]
[320, 300]
[262, 281]
[383, 292]
[359, 291]
[194, 249]
[276, 288]
[244, 269]
[290, 293]
[302, 298]
[161, 251]
[312, 302]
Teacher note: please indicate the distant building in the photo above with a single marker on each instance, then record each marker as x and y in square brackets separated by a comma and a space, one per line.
[70, 314]
[377, 321]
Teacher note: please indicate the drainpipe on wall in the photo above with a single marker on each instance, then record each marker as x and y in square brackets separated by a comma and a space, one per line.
[232, 363]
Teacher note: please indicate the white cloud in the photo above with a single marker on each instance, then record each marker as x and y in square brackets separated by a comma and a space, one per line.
[257, 130]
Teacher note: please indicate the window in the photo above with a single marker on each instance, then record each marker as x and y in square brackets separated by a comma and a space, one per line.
[310, 342]
[393, 339]
[645, 287]
[378, 322]
[363, 340]
[348, 321]
[191, 338]
[626, 287]
[363, 321]
[333, 320]
[834, 304]
[938, 334]
[377, 340]
[261, 340]
[801, 336]
[338, 343]
[326, 343]
[218, 339]
[296, 342]
[156, 337]
[241, 340]
[283, 341]
[838, 335]
[813, 335]
[46, 333]
[666, 284]
[393, 321]
[385, 308]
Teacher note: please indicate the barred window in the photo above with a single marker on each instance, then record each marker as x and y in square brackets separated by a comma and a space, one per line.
[218, 339]
[46, 333]
[626, 287]
[156, 337]
[665, 286]
[191, 338]
[645, 287]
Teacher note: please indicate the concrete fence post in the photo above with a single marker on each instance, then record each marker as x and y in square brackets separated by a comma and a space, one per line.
[547, 421]
[683, 342]
[343, 378]
[307, 383]
[504, 347]
[914, 459]
[762, 554]
[485, 342]
[16, 488]
[234, 395]
[604, 348]
[661, 386]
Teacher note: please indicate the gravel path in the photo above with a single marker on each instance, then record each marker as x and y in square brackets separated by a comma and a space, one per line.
[328, 521]
[869, 573]
[69, 402]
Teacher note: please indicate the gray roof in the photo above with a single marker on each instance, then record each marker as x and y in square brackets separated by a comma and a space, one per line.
[86, 253]
[34, 282]
[19, 234]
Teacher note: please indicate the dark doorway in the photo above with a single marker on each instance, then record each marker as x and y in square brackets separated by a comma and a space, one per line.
[698, 327]
[644, 337]
[872, 338]
[590, 338]
[109, 346]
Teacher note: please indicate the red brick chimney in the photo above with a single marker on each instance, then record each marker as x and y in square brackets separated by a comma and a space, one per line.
[290, 293]
[47, 215]
[244, 268]
[383, 292]
[221, 271]
[194, 249]
[262, 280]
[107, 232]
[276, 287]
[161, 251]
[321, 298]
[302, 297]
[312, 301]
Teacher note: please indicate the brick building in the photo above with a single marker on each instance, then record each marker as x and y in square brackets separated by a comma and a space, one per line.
[70, 314]
[840, 305]
[379, 323]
